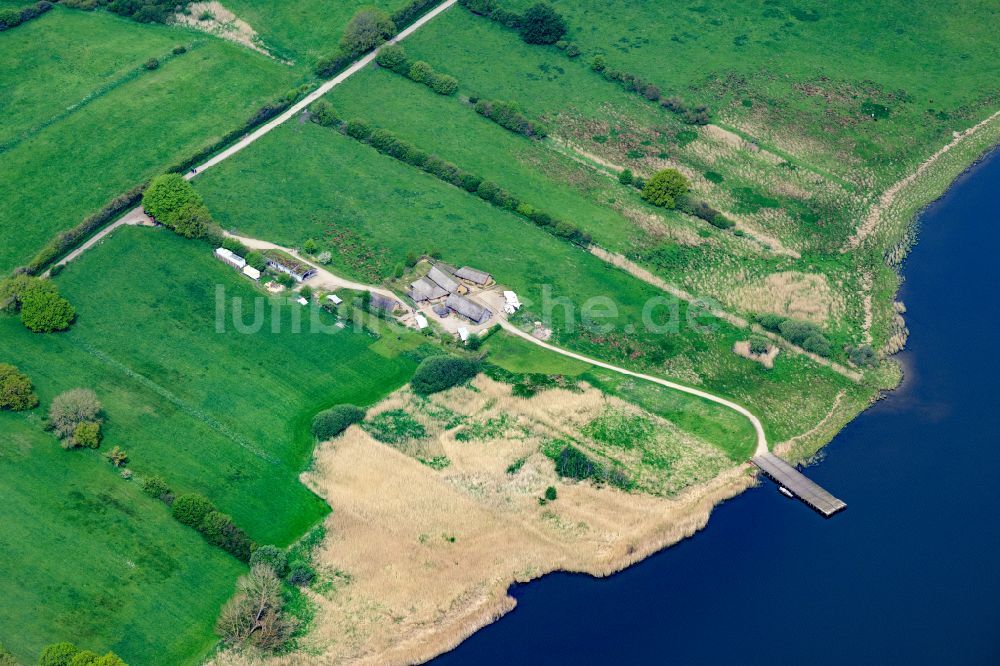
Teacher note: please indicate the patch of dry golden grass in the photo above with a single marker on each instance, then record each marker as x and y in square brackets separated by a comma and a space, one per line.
[430, 554]
[806, 296]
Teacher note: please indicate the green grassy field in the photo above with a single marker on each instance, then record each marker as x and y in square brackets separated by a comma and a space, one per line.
[370, 210]
[92, 560]
[225, 414]
[302, 30]
[63, 162]
[942, 76]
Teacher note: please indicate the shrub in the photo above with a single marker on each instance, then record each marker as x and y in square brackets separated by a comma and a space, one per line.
[322, 113]
[179, 50]
[9, 18]
[572, 51]
[58, 654]
[235, 246]
[358, 129]
[420, 71]
[393, 57]
[625, 177]
[770, 321]
[758, 344]
[256, 260]
[16, 391]
[45, 311]
[437, 373]
[550, 493]
[301, 574]
[117, 457]
[651, 92]
[72, 408]
[310, 246]
[863, 356]
[367, 29]
[541, 24]
[574, 464]
[190, 509]
[817, 344]
[271, 556]
[330, 65]
[151, 64]
[87, 435]
[797, 331]
[331, 422]
[404, 16]
[481, 7]
[664, 188]
[444, 84]
[155, 486]
[598, 64]
[219, 530]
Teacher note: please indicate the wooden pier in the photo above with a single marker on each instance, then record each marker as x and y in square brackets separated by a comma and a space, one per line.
[796, 482]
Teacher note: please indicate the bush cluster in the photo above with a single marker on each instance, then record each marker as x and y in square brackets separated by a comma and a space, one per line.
[13, 17]
[67, 654]
[369, 28]
[802, 333]
[393, 57]
[173, 202]
[572, 463]
[863, 356]
[387, 143]
[75, 417]
[509, 116]
[143, 11]
[704, 211]
[216, 527]
[41, 307]
[539, 24]
[437, 373]
[665, 187]
[331, 422]
[16, 390]
[636, 84]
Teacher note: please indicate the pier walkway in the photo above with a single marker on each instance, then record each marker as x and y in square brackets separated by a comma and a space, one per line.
[796, 482]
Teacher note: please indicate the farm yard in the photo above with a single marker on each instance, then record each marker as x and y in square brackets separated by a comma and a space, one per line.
[661, 185]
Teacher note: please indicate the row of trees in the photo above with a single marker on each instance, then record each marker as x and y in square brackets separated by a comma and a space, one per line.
[67, 654]
[697, 115]
[217, 528]
[387, 143]
[143, 11]
[41, 308]
[510, 116]
[539, 24]
[393, 57]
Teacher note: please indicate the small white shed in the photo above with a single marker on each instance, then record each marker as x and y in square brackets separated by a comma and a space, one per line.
[333, 298]
[421, 321]
[302, 300]
[251, 272]
[463, 334]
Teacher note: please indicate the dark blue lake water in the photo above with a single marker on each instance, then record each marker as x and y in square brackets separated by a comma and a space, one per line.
[910, 573]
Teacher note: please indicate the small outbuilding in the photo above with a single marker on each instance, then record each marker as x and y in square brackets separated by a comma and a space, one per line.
[421, 321]
[286, 263]
[251, 273]
[384, 302]
[231, 258]
[302, 300]
[463, 334]
[333, 298]
[442, 310]
[426, 290]
[511, 302]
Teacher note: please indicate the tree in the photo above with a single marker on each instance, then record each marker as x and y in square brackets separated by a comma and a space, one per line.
[863, 356]
[191, 509]
[758, 344]
[421, 72]
[58, 654]
[256, 260]
[323, 113]
[367, 29]
[300, 574]
[86, 434]
[13, 289]
[166, 195]
[598, 64]
[625, 177]
[219, 529]
[156, 487]
[254, 615]
[437, 373]
[331, 422]
[664, 188]
[192, 220]
[43, 310]
[16, 391]
[271, 556]
[70, 409]
[541, 24]
[310, 246]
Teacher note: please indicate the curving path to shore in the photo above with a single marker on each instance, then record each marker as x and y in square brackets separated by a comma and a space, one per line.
[754, 421]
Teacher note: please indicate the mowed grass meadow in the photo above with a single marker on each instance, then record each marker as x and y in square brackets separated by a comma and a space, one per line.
[90, 559]
[88, 121]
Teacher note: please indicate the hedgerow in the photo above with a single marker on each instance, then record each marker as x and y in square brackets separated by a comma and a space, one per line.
[802, 333]
[539, 24]
[636, 84]
[393, 57]
[437, 373]
[388, 144]
[217, 528]
[509, 116]
[13, 17]
[331, 422]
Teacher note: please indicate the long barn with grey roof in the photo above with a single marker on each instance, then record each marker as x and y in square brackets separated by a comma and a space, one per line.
[426, 290]
[443, 280]
[472, 311]
[473, 275]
